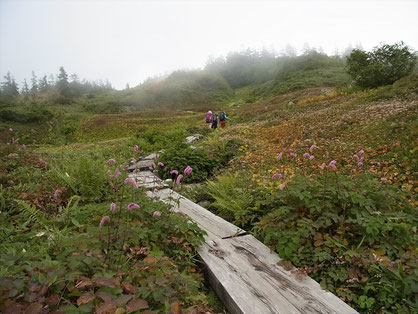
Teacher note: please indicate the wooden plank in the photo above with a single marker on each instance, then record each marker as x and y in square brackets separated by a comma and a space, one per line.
[246, 276]
[215, 226]
[142, 165]
[147, 179]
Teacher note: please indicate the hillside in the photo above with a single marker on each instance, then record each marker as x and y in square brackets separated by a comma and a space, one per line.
[325, 176]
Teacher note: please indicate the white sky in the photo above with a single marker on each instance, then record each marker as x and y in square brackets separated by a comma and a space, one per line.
[128, 41]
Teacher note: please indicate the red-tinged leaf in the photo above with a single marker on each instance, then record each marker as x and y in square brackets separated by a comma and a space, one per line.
[85, 298]
[53, 299]
[106, 297]
[34, 308]
[106, 308]
[128, 287]
[175, 307]
[44, 289]
[137, 304]
[105, 282]
[83, 283]
[33, 287]
[122, 300]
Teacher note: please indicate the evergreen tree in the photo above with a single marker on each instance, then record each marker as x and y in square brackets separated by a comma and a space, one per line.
[25, 88]
[9, 87]
[43, 84]
[63, 86]
[34, 81]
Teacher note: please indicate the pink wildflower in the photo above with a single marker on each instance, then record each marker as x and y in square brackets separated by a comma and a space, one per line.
[313, 147]
[179, 177]
[111, 161]
[156, 156]
[133, 160]
[174, 172]
[282, 186]
[112, 207]
[293, 154]
[383, 179]
[361, 159]
[188, 170]
[104, 219]
[155, 190]
[131, 182]
[332, 165]
[279, 156]
[136, 148]
[322, 166]
[133, 206]
[277, 176]
[57, 193]
[311, 157]
[361, 152]
[10, 129]
[326, 153]
[161, 164]
[156, 214]
[117, 173]
[360, 164]
[306, 155]
[355, 156]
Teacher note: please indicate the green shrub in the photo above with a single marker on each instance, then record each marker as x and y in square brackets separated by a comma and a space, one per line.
[352, 235]
[383, 66]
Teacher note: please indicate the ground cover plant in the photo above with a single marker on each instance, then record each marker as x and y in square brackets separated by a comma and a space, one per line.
[78, 237]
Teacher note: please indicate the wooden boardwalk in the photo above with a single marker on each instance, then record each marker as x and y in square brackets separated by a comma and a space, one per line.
[241, 269]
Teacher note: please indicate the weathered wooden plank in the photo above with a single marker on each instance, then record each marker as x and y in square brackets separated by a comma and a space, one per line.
[142, 165]
[246, 276]
[147, 179]
[215, 226]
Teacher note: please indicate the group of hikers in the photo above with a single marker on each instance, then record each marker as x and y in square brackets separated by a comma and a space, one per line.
[213, 119]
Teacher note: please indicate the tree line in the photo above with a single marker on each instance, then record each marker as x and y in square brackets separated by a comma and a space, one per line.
[63, 86]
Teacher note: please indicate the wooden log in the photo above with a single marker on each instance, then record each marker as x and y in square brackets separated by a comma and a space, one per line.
[147, 179]
[245, 274]
[215, 226]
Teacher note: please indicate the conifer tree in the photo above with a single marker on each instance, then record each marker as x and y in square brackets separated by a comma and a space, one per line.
[9, 87]
[34, 81]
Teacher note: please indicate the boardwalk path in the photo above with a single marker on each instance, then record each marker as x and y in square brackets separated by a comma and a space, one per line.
[241, 269]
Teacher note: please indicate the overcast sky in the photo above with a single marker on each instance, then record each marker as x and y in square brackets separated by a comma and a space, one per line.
[127, 41]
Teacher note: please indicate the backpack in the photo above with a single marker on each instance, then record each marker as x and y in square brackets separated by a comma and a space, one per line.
[209, 118]
[222, 116]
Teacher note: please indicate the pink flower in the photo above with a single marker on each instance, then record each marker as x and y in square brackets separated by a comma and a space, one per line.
[311, 157]
[355, 156]
[384, 180]
[133, 160]
[279, 156]
[277, 176]
[117, 173]
[313, 147]
[326, 153]
[322, 166]
[131, 182]
[306, 155]
[156, 156]
[136, 148]
[282, 186]
[360, 164]
[361, 159]
[10, 129]
[188, 170]
[133, 206]
[152, 167]
[57, 193]
[111, 161]
[112, 207]
[161, 164]
[361, 152]
[174, 172]
[156, 214]
[293, 154]
[332, 164]
[179, 177]
[155, 190]
[104, 219]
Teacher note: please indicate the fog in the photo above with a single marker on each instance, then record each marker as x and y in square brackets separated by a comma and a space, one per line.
[128, 41]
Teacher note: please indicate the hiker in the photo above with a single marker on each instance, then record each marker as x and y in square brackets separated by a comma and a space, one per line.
[215, 121]
[222, 119]
[209, 118]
